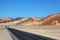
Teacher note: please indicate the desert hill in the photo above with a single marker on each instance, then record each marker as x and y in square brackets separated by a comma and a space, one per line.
[30, 21]
[53, 19]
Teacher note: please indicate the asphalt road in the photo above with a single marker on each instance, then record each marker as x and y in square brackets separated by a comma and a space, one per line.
[21, 35]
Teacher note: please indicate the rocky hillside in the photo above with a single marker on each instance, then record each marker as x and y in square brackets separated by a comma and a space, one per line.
[30, 21]
[53, 19]
[8, 19]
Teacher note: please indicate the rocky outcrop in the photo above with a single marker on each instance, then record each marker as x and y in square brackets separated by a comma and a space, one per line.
[30, 22]
[52, 20]
[8, 19]
[5, 19]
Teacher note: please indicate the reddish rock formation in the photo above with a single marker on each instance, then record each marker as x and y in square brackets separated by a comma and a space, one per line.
[8, 19]
[52, 20]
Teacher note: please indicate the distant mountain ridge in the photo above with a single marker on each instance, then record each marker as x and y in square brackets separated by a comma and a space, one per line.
[8, 19]
[53, 19]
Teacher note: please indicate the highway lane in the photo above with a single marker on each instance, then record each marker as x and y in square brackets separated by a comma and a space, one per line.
[21, 35]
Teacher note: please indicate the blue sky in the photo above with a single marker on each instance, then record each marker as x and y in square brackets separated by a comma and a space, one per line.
[28, 8]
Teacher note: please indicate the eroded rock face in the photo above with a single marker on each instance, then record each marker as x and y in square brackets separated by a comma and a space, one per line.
[52, 20]
[30, 21]
[8, 19]
[18, 18]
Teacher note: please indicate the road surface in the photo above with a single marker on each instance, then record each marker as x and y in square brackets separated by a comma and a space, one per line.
[21, 35]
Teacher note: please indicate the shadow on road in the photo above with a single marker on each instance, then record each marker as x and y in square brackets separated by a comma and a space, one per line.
[22, 35]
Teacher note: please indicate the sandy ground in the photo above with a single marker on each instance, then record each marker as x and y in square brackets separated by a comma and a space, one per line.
[48, 31]
[4, 35]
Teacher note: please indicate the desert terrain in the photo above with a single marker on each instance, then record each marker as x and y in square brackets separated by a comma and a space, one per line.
[52, 31]
[48, 26]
